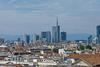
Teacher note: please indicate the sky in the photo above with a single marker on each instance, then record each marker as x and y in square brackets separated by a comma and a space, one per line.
[34, 16]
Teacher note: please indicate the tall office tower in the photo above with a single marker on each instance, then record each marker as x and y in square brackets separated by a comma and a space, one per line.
[46, 36]
[63, 36]
[27, 39]
[37, 37]
[98, 34]
[56, 33]
[19, 39]
[2, 40]
[90, 38]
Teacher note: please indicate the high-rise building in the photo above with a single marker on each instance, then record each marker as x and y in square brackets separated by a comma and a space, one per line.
[56, 33]
[90, 38]
[98, 34]
[19, 39]
[46, 36]
[2, 40]
[27, 39]
[37, 37]
[63, 36]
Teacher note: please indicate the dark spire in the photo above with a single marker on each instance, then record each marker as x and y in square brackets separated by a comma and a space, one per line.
[57, 21]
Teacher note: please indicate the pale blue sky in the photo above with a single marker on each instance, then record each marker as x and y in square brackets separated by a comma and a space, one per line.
[34, 16]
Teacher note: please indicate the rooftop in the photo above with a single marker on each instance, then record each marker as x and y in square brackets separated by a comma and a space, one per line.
[93, 59]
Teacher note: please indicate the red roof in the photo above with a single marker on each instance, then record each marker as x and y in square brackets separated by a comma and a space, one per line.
[93, 59]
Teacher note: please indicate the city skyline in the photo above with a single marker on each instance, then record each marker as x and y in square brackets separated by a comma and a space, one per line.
[49, 33]
[22, 16]
[54, 35]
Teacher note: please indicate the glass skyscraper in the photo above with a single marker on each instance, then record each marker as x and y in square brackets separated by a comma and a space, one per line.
[63, 36]
[37, 37]
[56, 33]
[90, 38]
[27, 39]
[98, 34]
[46, 36]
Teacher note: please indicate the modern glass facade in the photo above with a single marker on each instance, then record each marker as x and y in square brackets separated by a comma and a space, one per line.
[56, 33]
[63, 36]
[46, 36]
[27, 39]
[37, 37]
[98, 34]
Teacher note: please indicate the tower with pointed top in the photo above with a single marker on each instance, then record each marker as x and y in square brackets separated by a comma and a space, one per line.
[57, 21]
[56, 33]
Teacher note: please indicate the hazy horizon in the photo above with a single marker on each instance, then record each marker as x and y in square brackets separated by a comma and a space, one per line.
[69, 36]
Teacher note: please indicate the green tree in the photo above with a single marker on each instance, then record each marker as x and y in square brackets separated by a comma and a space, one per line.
[88, 47]
[82, 47]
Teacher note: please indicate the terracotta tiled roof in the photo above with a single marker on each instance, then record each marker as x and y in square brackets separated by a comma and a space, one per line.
[93, 59]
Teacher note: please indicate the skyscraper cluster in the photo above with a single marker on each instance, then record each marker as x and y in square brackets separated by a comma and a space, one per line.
[55, 37]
